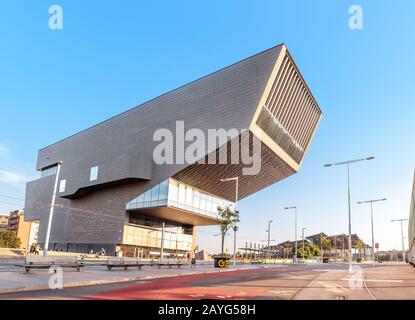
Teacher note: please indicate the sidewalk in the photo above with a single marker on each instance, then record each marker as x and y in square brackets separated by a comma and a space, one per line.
[14, 279]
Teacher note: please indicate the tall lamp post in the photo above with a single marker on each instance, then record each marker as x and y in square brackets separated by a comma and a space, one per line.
[52, 209]
[403, 242]
[348, 163]
[371, 219]
[295, 250]
[235, 227]
[302, 234]
[269, 238]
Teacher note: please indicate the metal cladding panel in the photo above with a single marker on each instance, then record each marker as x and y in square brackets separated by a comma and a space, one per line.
[225, 99]
[290, 114]
[118, 170]
[208, 177]
[38, 197]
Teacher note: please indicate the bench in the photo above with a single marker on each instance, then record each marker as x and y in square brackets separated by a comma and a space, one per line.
[256, 262]
[169, 263]
[32, 262]
[124, 263]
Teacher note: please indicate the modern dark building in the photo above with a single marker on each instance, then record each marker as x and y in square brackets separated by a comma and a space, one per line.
[113, 195]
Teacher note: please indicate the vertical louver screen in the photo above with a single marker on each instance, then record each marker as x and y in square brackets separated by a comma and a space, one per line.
[290, 113]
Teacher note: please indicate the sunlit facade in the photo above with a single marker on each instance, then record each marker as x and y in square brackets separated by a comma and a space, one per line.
[146, 233]
[173, 193]
[113, 195]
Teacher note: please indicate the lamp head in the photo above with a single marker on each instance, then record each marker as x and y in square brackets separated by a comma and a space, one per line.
[288, 208]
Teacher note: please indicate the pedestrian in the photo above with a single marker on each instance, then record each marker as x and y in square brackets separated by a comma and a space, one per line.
[36, 249]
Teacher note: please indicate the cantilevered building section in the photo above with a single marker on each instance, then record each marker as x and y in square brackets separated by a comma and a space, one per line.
[411, 226]
[113, 195]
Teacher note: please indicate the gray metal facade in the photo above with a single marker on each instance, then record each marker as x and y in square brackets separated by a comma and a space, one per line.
[91, 215]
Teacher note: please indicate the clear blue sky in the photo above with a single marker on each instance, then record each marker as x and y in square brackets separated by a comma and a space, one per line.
[112, 56]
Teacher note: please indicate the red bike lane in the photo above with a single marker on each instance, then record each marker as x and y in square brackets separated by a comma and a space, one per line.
[193, 287]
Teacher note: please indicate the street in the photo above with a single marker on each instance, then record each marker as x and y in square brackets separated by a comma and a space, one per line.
[299, 282]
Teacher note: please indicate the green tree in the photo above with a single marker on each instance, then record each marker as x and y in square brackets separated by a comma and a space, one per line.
[360, 246]
[310, 251]
[229, 218]
[326, 244]
[9, 239]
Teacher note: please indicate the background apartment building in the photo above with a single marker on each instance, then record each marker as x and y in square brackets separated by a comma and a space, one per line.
[26, 231]
[4, 223]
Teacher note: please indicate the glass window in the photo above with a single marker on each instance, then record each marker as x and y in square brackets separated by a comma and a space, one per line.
[189, 196]
[173, 191]
[62, 186]
[164, 190]
[196, 200]
[182, 193]
[49, 172]
[209, 203]
[203, 202]
[94, 174]
[140, 199]
[215, 205]
[147, 196]
[155, 193]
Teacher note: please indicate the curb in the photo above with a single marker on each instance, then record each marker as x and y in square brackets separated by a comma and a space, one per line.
[117, 280]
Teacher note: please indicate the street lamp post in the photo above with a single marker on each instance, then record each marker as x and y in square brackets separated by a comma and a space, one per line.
[269, 238]
[403, 241]
[348, 163]
[235, 227]
[371, 219]
[302, 234]
[335, 248]
[295, 250]
[163, 226]
[51, 210]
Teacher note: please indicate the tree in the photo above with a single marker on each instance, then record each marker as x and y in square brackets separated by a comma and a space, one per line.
[326, 244]
[9, 239]
[229, 218]
[360, 245]
[310, 250]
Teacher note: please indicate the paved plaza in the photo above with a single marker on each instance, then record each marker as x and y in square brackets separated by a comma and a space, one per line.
[275, 282]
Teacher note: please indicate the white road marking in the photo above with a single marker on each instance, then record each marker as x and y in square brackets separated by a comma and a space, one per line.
[284, 293]
[367, 288]
[333, 287]
[327, 270]
[374, 280]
